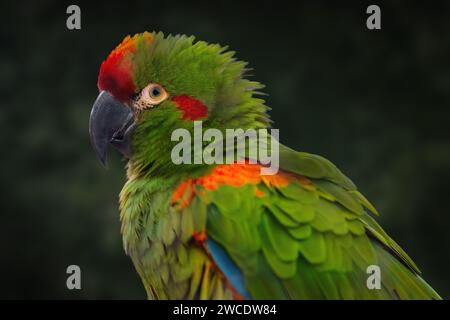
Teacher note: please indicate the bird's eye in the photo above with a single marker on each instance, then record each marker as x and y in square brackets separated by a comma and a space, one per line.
[154, 94]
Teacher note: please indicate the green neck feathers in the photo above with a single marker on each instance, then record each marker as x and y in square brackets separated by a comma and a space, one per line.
[204, 71]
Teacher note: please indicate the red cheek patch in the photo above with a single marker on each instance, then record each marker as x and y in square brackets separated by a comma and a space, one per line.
[192, 108]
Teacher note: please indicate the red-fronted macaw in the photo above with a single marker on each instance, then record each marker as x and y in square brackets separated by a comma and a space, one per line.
[225, 231]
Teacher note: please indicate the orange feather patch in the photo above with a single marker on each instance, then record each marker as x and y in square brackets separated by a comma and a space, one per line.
[235, 175]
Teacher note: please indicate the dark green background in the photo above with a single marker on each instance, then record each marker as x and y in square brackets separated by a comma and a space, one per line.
[376, 103]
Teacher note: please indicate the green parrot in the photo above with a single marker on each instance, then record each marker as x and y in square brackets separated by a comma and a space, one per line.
[224, 230]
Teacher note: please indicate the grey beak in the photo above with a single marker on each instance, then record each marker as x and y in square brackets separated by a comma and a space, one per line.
[111, 122]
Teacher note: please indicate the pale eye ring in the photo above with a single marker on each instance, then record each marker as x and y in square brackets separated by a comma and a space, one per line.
[154, 94]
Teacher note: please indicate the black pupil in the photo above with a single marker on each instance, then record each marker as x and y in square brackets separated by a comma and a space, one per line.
[156, 92]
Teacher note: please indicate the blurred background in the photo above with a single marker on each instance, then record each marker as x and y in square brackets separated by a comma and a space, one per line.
[376, 103]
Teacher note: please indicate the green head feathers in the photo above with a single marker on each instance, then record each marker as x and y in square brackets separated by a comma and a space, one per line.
[170, 81]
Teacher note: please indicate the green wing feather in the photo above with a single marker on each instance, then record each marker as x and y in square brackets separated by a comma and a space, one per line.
[158, 238]
[308, 241]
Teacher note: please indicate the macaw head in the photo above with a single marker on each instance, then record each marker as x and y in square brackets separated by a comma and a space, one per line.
[151, 85]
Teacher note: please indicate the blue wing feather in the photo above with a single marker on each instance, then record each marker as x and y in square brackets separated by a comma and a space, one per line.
[228, 267]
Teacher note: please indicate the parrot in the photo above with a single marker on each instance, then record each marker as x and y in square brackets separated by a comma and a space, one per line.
[224, 231]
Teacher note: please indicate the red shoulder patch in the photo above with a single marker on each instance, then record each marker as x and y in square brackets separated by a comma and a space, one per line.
[235, 175]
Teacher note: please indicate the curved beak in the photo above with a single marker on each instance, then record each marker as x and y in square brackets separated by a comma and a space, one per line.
[111, 122]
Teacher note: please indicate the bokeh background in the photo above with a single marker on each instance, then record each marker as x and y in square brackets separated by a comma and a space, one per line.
[376, 103]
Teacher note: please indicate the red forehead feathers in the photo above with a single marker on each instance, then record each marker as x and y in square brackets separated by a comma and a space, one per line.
[116, 77]
[116, 72]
